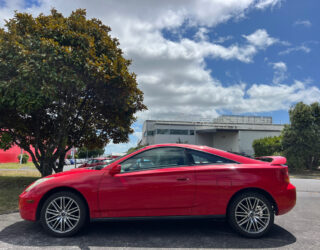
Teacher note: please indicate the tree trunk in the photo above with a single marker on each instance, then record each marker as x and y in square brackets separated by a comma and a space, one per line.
[46, 167]
[315, 163]
[310, 163]
[59, 168]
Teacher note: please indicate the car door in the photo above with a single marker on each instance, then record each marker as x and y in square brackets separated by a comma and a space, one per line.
[213, 180]
[156, 182]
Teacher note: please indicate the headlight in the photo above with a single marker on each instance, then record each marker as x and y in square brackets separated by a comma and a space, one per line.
[37, 182]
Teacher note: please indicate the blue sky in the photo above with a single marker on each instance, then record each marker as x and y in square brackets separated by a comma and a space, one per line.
[201, 59]
[296, 22]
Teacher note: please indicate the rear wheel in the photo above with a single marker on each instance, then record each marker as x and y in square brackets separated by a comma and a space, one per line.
[63, 214]
[251, 214]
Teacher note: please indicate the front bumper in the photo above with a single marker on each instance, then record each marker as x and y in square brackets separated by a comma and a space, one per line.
[28, 206]
[286, 200]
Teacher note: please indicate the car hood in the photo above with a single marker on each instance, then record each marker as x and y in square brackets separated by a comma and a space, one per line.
[73, 171]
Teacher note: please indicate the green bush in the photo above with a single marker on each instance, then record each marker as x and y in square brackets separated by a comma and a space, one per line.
[25, 158]
[267, 146]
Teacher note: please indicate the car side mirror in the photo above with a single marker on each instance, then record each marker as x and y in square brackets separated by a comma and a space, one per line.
[115, 170]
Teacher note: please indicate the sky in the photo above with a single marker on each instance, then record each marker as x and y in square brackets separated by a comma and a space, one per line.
[196, 60]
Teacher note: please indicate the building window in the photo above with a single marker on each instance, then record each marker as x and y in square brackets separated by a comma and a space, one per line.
[191, 132]
[178, 132]
[162, 131]
[150, 133]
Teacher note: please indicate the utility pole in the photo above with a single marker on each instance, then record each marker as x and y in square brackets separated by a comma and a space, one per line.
[21, 156]
[73, 153]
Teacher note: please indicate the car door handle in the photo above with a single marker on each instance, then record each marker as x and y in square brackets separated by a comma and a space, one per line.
[183, 179]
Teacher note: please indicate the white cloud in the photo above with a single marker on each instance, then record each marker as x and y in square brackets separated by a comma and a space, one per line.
[156, 48]
[165, 13]
[261, 39]
[262, 4]
[280, 72]
[201, 34]
[120, 148]
[305, 23]
[281, 66]
[222, 39]
[280, 96]
[302, 48]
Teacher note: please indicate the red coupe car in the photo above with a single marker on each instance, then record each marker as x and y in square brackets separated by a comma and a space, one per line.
[165, 180]
[95, 162]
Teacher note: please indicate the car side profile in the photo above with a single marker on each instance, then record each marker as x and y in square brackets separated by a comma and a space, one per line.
[177, 180]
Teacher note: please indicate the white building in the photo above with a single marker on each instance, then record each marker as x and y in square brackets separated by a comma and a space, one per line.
[230, 133]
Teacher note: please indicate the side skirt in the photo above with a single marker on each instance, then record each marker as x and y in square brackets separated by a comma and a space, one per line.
[174, 217]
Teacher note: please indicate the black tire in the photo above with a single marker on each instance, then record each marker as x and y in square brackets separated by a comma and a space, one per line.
[70, 220]
[254, 222]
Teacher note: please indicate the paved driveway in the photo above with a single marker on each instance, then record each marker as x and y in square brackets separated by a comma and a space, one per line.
[300, 229]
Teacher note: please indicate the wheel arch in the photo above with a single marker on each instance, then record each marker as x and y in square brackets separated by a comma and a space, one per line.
[60, 189]
[257, 190]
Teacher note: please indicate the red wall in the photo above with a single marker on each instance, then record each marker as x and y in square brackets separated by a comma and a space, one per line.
[11, 155]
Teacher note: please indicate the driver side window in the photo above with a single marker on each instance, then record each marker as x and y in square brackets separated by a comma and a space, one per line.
[155, 158]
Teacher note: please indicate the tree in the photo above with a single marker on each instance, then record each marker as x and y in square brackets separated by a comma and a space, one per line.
[301, 139]
[89, 153]
[132, 149]
[25, 158]
[63, 82]
[267, 146]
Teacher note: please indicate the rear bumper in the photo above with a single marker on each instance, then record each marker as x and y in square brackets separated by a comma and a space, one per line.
[286, 199]
[27, 206]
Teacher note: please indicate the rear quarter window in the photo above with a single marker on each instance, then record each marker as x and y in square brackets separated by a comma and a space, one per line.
[202, 158]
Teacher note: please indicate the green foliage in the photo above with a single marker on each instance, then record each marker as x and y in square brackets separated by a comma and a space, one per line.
[25, 158]
[5, 140]
[267, 146]
[130, 150]
[301, 139]
[63, 82]
[89, 153]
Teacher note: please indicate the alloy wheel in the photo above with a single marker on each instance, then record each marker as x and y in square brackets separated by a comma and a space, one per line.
[252, 215]
[62, 214]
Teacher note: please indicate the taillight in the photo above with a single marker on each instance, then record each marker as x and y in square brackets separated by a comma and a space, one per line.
[285, 174]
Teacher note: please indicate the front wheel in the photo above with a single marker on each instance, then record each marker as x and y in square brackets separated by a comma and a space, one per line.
[251, 214]
[63, 214]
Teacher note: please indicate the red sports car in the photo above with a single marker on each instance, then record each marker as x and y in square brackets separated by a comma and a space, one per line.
[93, 162]
[165, 180]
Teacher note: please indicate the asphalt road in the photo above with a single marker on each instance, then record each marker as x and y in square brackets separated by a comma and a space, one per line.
[299, 229]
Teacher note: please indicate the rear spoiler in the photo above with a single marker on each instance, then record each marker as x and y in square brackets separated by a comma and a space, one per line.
[275, 160]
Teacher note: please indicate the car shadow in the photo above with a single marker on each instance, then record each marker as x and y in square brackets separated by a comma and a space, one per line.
[196, 233]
